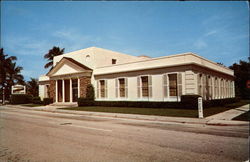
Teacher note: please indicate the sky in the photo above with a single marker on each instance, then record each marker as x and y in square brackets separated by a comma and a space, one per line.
[218, 31]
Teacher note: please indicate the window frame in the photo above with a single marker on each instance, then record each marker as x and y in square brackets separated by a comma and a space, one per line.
[105, 89]
[168, 86]
[125, 87]
[149, 86]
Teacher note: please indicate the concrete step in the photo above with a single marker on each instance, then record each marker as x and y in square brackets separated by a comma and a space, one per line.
[65, 104]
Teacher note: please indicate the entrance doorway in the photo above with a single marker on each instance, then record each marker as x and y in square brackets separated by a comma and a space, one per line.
[67, 90]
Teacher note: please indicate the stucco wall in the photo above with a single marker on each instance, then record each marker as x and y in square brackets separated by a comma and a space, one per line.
[41, 91]
[98, 57]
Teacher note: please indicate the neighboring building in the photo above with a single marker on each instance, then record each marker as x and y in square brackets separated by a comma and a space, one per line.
[117, 76]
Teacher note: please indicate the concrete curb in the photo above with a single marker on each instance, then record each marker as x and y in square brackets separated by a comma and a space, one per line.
[177, 120]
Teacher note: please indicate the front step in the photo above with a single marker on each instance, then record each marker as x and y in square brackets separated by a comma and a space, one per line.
[65, 104]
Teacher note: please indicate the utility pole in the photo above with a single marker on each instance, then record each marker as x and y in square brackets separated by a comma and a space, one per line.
[3, 95]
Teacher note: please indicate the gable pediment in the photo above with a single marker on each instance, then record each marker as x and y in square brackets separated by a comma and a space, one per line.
[68, 66]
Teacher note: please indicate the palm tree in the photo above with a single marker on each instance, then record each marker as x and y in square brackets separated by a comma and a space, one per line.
[9, 73]
[55, 51]
[4, 66]
[32, 87]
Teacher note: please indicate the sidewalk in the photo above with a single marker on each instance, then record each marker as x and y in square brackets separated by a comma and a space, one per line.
[230, 114]
[177, 120]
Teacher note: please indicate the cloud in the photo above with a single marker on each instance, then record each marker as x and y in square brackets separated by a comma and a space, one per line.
[25, 45]
[212, 32]
[72, 39]
[200, 44]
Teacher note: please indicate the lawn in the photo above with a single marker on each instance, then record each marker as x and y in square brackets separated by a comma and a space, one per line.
[159, 111]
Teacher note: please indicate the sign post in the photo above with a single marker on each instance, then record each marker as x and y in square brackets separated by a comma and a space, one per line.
[200, 107]
[3, 96]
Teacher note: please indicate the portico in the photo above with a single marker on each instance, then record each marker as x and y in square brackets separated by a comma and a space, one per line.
[67, 90]
[68, 81]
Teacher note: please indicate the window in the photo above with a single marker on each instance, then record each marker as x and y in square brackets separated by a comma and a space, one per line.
[122, 87]
[87, 58]
[144, 86]
[144, 81]
[46, 91]
[172, 84]
[113, 61]
[103, 88]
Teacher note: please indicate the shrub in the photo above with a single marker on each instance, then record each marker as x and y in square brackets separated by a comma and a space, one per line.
[47, 101]
[190, 100]
[85, 102]
[90, 95]
[36, 100]
[219, 102]
[20, 99]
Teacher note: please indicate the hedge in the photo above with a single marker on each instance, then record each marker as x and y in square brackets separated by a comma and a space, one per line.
[86, 102]
[36, 100]
[20, 98]
[187, 103]
[190, 100]
[47, 101]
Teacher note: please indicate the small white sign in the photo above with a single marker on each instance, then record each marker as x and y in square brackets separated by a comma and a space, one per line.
[200, 107]
[18, 89]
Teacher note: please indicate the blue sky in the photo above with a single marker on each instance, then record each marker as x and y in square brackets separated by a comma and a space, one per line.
[218, 31]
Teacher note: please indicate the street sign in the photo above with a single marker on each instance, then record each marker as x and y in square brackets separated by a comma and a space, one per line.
[18, 89]
[200, 107]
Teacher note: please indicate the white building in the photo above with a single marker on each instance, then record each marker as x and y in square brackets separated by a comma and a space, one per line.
[117, 76]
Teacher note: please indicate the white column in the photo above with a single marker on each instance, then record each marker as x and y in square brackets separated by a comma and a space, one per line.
[70, 89]
[56, 91]
[63, 91]
[78, 84]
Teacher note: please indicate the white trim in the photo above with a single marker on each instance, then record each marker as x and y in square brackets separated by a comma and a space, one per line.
[56, 91]
[63, 91]
[78, 87]
[70, 90]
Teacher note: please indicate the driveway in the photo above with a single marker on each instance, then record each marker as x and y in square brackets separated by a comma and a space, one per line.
[46, 136]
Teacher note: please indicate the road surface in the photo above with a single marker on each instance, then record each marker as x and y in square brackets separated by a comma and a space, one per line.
[27, 135]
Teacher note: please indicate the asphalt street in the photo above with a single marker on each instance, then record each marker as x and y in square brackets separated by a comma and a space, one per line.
[27, 135]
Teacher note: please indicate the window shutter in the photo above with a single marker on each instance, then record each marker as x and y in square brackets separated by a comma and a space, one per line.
[165, 85]
[106, 88]
[150, 86]
[116, 88]
[98, 90]
[138, 87]
[179, 83]
[126, 87]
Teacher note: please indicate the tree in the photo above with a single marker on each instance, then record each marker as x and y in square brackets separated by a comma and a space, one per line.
[90, 95]
[10, 74]
[32, 87]
[55, 51]
[242, 75]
